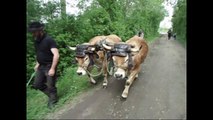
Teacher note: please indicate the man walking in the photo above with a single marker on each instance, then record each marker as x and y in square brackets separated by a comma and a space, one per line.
[47, 57]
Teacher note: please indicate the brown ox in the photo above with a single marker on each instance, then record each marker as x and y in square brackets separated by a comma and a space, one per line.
[127, 59]
[93, 53]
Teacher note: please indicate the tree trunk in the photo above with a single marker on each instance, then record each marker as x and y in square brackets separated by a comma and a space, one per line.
[63, 8]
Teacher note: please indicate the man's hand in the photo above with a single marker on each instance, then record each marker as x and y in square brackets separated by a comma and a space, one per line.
[51, 72]
[36, 67]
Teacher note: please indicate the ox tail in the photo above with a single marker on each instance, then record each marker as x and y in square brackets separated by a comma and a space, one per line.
[141, 34]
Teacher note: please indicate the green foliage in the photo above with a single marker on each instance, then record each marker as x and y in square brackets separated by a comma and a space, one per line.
[33, 10]
[50, 10]
[118, 28]
[99, 20]
[179, 21]
[30, 56]
[65, 53]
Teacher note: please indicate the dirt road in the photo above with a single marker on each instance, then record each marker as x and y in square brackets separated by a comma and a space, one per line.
[158, 93]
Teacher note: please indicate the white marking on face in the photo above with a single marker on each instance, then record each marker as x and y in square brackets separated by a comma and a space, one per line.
[122, 64]
[81, 71]
[120, 73]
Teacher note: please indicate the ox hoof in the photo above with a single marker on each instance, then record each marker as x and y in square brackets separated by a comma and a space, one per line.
[124, 95]
[136, 77]
[104, 86]
[93, 83]
[122, 98]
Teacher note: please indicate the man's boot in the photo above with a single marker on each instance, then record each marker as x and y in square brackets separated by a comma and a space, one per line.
[53, 99]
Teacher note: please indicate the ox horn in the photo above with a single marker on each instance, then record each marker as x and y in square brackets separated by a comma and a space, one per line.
[91, 48]
[107, 47]
[72, 48]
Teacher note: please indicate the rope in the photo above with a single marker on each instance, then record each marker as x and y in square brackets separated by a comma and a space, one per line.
[109, 70]
[100, 44]
[100, 71]
[93, 74]
[33, 74]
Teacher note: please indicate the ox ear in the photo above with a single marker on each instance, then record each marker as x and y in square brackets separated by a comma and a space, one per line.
[133, 49]
[71, 48]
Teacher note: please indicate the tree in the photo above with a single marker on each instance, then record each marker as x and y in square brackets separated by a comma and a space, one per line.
[179, 20]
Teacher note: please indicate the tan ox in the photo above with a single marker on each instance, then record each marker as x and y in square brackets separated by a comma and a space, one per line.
[94, 54]
[127, 59]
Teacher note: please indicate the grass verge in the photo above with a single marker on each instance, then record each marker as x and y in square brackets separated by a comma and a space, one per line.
[69, 85]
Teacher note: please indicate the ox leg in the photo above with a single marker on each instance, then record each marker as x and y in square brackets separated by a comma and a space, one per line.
[111, 67]
[129, 83]
[91, 78]
[136, 76]
[105, 82]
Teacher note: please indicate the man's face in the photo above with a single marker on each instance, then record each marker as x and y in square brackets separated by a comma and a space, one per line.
[36, 34]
